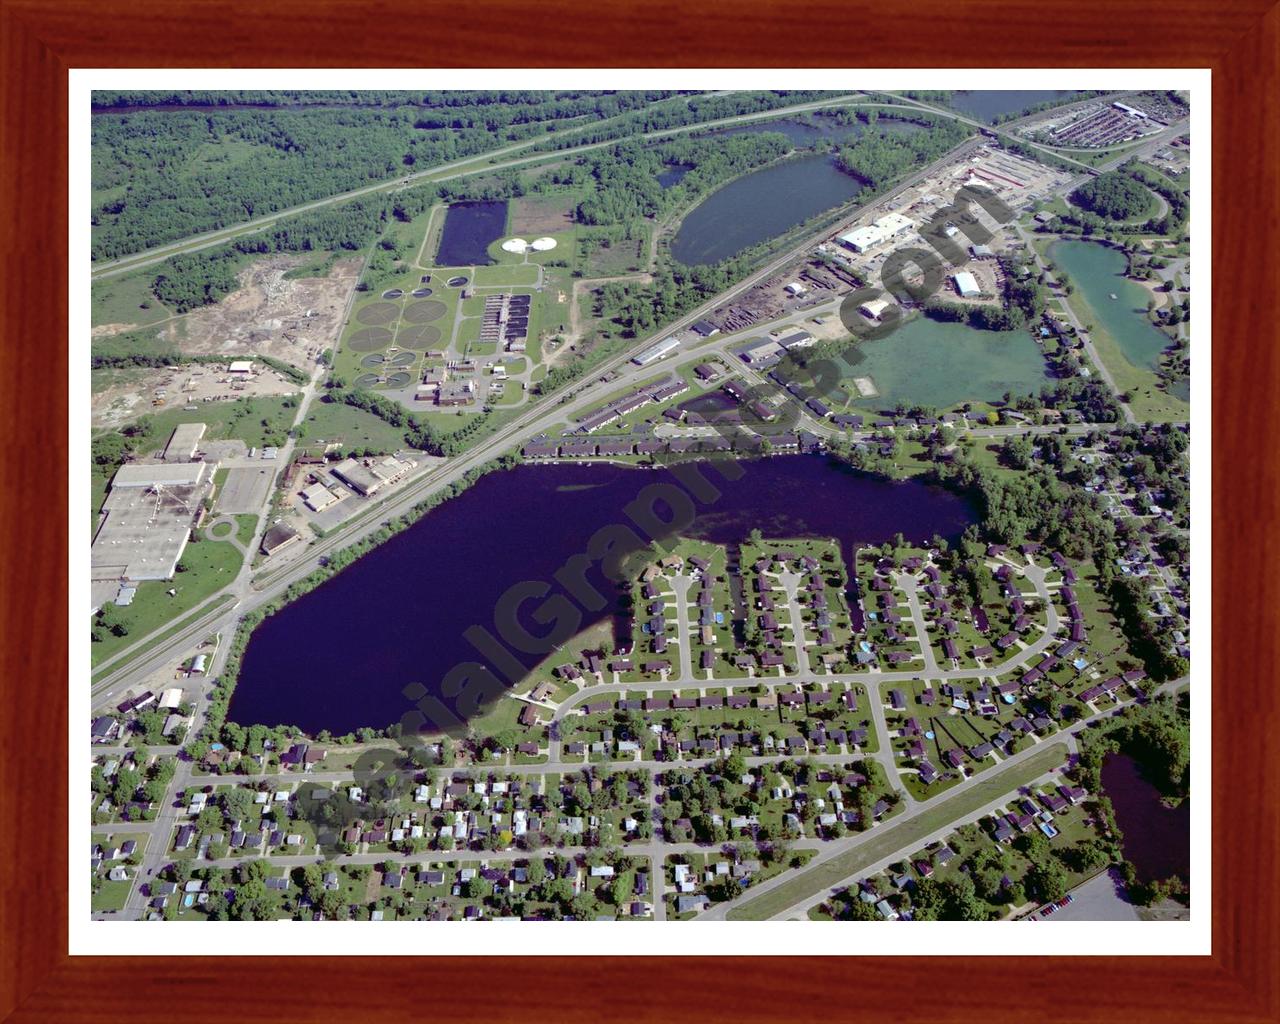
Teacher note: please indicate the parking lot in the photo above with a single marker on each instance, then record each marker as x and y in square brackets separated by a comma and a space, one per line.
[1099, 899]
[245, 488]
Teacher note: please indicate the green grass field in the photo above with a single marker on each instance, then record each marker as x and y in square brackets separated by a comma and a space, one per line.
[885, 841]
[1145, 398]
[255, 421]
[352, 427]
[502, 275]
[126, 300]
[211, 565]
[112, 895]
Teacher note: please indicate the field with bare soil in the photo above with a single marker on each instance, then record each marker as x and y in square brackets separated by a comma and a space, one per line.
[289, 319]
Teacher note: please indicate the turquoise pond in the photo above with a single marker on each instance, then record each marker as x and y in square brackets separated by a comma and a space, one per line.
[946, 364]
[1097, 271]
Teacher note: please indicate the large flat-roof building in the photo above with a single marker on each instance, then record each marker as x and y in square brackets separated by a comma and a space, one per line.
[653, 353]
[874, 309]
[318, 497]
[138, 475]
[883, 229]
[966, 285]
[183, 442]
[797, 339]
[367, 477]
[279, 536]
[760, 351]
[146, 522]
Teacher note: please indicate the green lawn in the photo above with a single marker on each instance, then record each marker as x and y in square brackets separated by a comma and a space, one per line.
[255, 421]
[506, 274]
[885, 841]
[246, 524]
[126, 300]
[111, 895]
[352, 427]
[211, 565]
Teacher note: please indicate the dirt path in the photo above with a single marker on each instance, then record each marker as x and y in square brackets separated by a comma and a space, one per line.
[574, 334]
[426, 237]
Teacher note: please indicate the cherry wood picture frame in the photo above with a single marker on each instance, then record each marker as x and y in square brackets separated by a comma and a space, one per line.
[41, 39]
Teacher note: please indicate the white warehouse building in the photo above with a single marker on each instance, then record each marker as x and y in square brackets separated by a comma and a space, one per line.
[884, 229]
[655, 352]
[966, 285]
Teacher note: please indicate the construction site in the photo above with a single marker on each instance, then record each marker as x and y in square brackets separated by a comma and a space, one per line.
[290, 319]
[123, 394]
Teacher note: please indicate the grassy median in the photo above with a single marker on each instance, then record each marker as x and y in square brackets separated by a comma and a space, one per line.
[905, 836]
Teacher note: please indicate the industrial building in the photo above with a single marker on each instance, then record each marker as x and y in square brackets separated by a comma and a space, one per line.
[800, 339]
[144, 476]
[761, 351]
[367, 478]
[879, 231]
[146, 522]
[966, 285]
[653, 353]
[318, 497]
[278, 537]
[241, 368]
[183, 442]
[874, 309]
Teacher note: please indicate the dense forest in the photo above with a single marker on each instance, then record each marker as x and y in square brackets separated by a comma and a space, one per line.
[1113, 195]
[880, 157]
[624, 178]
[188, 280]
[682, 112]
[567, 103]
[159, 175]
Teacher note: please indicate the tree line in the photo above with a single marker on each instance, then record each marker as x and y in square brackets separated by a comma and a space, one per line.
[159, 176]
[880, 157]
[188, 280]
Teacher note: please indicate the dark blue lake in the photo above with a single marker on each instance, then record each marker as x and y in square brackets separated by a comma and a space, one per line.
[340, 657]
[672, 175]
[1157, 839]
[469, 230]
[759, 206]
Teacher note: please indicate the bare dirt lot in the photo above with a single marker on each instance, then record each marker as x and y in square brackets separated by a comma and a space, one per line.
[123, 394]
[289, 319]
[540, 215]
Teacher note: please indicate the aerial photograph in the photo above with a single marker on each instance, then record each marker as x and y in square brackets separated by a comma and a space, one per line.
[638, 505]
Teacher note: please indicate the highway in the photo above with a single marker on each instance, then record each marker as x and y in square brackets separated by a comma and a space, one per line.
[481, 163]
[539, 417]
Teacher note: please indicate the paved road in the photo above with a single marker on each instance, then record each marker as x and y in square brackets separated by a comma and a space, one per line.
[832, 849]
[1055, 286]
[800, 911]
[113, 684]
[836, 847]
[481, 163]
[578, 399]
